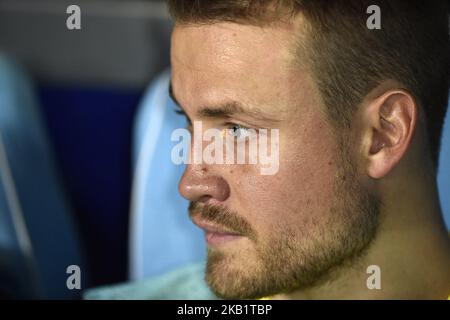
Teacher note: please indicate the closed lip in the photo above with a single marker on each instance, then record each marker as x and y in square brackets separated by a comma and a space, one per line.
[212, 228]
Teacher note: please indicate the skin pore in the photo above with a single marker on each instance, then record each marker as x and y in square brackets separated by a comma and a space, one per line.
[339, 202]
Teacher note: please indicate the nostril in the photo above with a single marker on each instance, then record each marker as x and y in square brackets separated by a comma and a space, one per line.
[204, 199]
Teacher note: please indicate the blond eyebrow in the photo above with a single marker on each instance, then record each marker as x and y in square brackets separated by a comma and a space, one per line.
[231, 109]
[226, 110]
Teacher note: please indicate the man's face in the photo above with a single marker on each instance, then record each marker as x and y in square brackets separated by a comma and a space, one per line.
[267, 234]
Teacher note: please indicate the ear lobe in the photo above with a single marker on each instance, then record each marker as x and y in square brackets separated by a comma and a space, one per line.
[392, 120]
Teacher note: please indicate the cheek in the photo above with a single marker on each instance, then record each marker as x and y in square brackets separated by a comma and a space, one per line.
[301, 190]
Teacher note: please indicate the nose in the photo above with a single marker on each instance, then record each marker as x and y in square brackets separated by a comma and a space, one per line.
[197, 184]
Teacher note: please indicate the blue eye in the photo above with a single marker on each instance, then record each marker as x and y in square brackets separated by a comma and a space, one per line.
[238, 131]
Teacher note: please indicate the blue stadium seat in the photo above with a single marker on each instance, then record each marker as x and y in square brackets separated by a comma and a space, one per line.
[162, 237]
[444, 170]
[38, 240]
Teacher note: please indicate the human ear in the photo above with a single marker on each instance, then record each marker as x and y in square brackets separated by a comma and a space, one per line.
[390, 122]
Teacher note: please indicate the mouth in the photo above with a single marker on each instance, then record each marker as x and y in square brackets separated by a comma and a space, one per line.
[214, 234]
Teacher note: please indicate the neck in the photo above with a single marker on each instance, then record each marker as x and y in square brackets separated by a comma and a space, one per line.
[411, 249]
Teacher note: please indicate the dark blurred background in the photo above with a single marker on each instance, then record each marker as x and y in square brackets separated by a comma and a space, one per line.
[89, 83]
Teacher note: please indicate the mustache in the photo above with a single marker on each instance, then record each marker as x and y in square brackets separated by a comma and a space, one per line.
[222, 217]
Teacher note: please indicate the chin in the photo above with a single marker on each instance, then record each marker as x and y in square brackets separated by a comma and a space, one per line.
[232, 275]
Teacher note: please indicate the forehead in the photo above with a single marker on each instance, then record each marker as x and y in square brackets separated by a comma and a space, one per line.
[230, 46]
[232, 60]
[261, 68]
